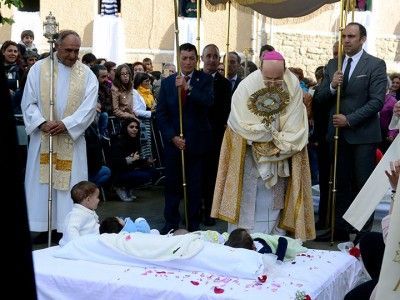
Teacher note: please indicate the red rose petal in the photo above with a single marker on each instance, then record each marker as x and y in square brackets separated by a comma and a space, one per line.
[307, 297]
[128, 237]
[194, 282]
[262, 278]
[218, 290]
[355, 252]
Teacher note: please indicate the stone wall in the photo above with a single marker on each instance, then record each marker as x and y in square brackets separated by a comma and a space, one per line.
[149, 30]
[304, 51]
[389, 50]
[310, 51]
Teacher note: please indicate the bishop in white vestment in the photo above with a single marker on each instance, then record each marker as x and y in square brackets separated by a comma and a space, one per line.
[263, 165]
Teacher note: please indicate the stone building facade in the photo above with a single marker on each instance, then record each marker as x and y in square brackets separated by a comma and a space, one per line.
[148, 27]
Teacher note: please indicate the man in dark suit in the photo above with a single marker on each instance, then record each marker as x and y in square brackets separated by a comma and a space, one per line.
[218, 116]
[233, 68]
[363, 85]
[197, 97]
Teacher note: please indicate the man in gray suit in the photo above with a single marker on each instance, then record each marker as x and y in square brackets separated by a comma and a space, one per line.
[363, 85]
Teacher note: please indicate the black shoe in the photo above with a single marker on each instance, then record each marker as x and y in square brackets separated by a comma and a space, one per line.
[208, 221]
[167, 228]
[339, 236]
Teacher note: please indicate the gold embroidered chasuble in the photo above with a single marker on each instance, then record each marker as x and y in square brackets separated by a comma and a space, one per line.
[282, 141]
[63, 145]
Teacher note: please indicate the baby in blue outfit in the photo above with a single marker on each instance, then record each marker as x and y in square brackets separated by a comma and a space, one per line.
[117, 225]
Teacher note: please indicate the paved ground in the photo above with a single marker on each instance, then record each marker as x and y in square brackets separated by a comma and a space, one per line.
[150, 204]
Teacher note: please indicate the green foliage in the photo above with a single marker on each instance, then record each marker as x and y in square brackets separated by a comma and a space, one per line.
[9, 4]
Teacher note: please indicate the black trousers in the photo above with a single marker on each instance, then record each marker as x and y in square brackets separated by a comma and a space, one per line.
[372, 249]
[355, 163]
[211, 169]
[324, 165]
[194, 170]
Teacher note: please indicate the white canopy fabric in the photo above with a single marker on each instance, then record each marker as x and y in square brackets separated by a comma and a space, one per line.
[277, 9]
[109, 38]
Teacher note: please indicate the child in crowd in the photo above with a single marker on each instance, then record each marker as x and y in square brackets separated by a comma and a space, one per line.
[82, 219]
[117, 225]
[27, 38]
[30, 58]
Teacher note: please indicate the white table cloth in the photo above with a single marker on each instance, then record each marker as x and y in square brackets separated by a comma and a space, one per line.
[321, 274]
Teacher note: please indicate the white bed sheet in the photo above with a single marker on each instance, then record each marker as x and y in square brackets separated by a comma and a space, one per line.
[321, 274]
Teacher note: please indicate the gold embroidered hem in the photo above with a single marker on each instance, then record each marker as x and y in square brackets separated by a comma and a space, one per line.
[298, 213]
[62, 164]
[63, 145]
[229, 182]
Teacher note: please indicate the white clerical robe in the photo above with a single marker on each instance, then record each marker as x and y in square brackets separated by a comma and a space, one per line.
[76, 124]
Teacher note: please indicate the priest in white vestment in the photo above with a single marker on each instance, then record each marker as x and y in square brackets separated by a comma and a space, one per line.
[263, 165]
[75, 98]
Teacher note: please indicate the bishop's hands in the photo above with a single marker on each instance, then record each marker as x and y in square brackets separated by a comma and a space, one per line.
[53, 127]
[179, 142]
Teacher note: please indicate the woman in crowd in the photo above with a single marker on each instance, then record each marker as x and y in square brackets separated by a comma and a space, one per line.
[111, 68]
[14, 73]
[143, 107]
[129, 167]
[137, 67]
[121, 90]
[395, 85]
[385, 115]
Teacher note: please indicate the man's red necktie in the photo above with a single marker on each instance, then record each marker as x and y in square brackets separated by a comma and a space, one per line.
[184, 92]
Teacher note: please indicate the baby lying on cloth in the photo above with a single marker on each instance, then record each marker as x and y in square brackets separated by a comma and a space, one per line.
[285, 248]
[202, 251]
[185, 252]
